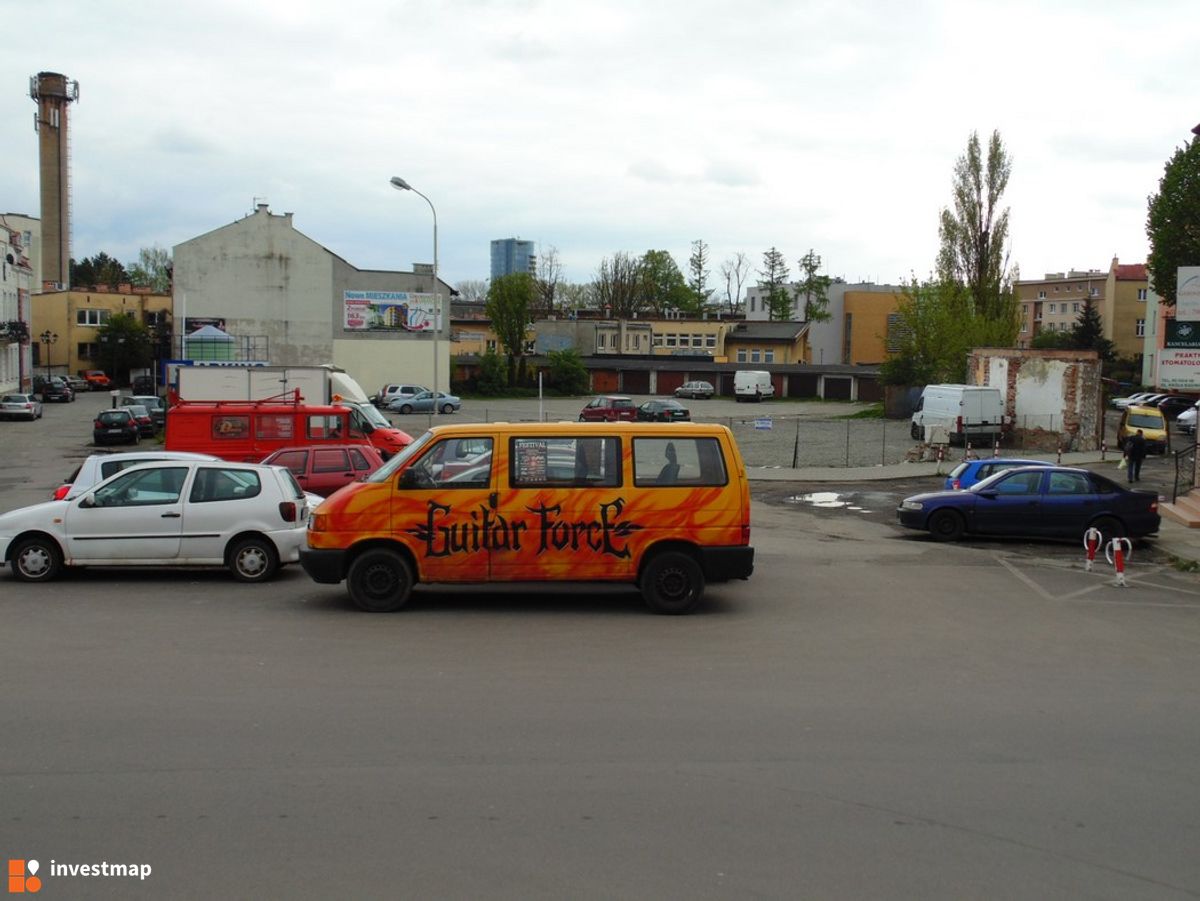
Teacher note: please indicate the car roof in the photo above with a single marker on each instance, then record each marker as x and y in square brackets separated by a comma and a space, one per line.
[1137, 408]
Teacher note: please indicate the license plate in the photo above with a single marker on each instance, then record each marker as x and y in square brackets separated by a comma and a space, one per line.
[114, 431]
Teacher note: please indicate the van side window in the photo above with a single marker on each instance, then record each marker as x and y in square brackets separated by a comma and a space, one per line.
[678, 461]
[565, 462]
[453, 463]
[274, 425]
[230, 427]
[321, 427]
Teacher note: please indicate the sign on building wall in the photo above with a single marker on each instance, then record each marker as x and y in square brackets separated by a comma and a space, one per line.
[388, 311]
[1187, 293]
[1182, 334]
[1179, 370]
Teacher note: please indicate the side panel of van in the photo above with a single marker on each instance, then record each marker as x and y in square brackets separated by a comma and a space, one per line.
[752, 384]
[246, 435]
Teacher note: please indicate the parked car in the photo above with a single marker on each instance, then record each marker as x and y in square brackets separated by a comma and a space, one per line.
[423, 402]
[609, 408]
[78, 383]
[144, 385]
[155, 405]
[1144, 398]
[1174, 404]
[1040, 501]
[97, 379]
[968, 472]
[20, 406]
[323, 470]
[665, 410]
[98, 467]
[1186, 421]
[1150, 422]
[115, 426]
[695, 390]
[246, 517]
[388, 393]
[54, 388]
[145, 422]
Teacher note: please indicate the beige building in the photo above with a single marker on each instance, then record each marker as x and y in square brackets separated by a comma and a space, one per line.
[1055, 302]
[1124, 307]
[71, 321]
[867, 317]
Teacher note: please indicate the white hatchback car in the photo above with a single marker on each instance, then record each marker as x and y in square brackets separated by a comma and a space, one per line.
[99, 467]
[244, 516]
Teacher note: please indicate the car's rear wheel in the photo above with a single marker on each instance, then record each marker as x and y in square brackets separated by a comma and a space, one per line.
[672, 583]
[406, 408]
[253, 559]
[946, 525]
[379, 581]
[1109, 527]
[37, 560]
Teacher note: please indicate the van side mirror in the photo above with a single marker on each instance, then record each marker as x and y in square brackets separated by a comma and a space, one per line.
[408, 479]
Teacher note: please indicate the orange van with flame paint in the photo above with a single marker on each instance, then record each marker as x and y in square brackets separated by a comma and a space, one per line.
[663, 506]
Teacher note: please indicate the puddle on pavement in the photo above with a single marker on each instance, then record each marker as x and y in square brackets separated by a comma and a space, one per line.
[828, 500]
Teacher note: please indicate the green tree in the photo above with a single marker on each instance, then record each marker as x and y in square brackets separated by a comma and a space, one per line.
[939, 325]
[663, 285]
[813, 289]
[124, 344]
[775, 282]
[1173, 221]
[493, 375]
[510, 307]
[98, 270]
[1048, 340]
[698, 277]
[1088, 334]
[568, 375]
[974, 233]
[152, 270]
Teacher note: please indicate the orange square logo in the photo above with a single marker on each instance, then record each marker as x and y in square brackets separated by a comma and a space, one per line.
[18, 882]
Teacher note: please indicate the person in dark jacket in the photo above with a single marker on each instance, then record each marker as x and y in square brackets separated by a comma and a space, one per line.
[1135, 453]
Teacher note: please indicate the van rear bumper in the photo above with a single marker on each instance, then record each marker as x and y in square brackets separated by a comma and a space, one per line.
[724, 563]
[324, 565]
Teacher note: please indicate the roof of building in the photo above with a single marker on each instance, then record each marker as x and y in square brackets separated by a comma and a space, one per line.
[767, 331]
[1133, 272]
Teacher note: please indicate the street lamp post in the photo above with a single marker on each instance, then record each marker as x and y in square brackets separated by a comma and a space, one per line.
[47, 338]
[401, 185]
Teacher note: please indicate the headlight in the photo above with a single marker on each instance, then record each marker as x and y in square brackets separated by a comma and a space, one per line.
[910, 505]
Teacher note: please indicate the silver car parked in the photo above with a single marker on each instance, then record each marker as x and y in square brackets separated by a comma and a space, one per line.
[699, 390]
[20, 406]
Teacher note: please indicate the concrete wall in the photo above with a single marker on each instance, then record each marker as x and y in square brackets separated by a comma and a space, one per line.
[1052, 392]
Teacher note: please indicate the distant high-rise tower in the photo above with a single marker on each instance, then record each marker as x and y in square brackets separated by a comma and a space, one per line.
[511, 255]
[53, 92]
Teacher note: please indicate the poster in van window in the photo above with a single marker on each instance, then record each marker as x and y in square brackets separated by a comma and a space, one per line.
[387, 311]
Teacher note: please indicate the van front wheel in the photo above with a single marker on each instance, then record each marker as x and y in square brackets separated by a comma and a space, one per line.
[672, 583]
[379, 581]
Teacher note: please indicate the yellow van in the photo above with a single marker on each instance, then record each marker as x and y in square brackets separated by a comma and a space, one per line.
[665, 506]
[1152, 424]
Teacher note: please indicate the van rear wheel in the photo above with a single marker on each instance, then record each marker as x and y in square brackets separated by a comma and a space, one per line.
[915, 431]
[379, 581]
[672, 583]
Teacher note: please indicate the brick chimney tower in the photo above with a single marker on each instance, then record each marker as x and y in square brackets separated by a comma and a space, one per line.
[53, 93]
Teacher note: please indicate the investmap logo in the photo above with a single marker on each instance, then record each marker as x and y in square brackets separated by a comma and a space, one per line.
[22, 877]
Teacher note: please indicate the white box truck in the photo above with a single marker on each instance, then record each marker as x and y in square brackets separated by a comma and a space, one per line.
[962, 412]
[752, 385]
[316, 384]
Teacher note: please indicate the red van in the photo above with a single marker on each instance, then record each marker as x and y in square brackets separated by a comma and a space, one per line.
[245, 431]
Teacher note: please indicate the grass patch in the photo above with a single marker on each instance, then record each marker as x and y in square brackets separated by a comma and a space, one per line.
[1184, 566]
[874, 411]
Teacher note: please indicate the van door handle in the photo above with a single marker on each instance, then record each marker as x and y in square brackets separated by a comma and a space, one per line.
[171, 515]
[494, 500]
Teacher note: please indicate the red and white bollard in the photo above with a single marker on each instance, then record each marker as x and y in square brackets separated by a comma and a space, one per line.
[1060, 455]
[941, 454]
[1091, 544]
[1103, 450]
[996, 447]
[1118, 552]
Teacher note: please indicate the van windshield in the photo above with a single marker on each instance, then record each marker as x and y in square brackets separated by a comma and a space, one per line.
[384, 472]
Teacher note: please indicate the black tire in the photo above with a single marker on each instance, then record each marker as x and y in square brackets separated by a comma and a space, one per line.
[37, 560]
[1110, 527]
[946, 525]
[915, 431]
[672, 583]
[253, 559]
[406, 409]
[379, 581]
[448, 408]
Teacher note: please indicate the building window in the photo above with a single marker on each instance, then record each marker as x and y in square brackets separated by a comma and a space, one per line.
[768, 356]
[1052, 306]
[697, 340]
[710, 340]
[658, 341]
[1141, 294]
[754, 356]
[741, 355]
[91, 317]
[1141, 328]
[1074, 308]
[491, 345]
[1041, 295]
[672, 340]
[85, 350]
[1024, 325]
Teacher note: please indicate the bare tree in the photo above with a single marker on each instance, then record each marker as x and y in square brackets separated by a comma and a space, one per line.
[735, 271]
[473, 289]
[548, 279]
[619, 285]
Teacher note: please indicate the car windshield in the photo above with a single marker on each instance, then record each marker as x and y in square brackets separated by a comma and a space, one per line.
[373, 416]
[384, 472]
[1146, 421]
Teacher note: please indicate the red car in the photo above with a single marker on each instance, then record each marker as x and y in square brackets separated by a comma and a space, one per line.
[609, 408]
[97, 379]
[323, 470]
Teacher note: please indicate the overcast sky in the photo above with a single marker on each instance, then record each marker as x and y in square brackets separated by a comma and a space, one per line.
[607, 126]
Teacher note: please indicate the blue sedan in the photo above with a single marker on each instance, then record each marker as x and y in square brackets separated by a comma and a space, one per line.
[423, 403]
[1043, 501]
[968, 472]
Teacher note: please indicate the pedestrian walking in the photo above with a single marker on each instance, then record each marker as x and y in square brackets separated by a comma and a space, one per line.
[1135, 453]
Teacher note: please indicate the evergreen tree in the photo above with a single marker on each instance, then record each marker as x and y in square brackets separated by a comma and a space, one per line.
[812, 290]
[1088, 334]
[774, 274]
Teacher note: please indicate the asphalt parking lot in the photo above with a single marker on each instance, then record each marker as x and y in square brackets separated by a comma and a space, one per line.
[872, 714]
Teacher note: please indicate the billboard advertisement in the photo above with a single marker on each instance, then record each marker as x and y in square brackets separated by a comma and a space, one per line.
[387, 311]
[1187, 293]
[1179, 370]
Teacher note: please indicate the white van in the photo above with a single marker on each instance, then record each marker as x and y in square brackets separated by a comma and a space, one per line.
[752, 384]
[965, 412]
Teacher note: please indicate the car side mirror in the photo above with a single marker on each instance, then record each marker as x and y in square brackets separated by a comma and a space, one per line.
[89, 500]
[990, 495]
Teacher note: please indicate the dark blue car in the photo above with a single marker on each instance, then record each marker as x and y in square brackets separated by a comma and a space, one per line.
[968, 472]
[1039, 501]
